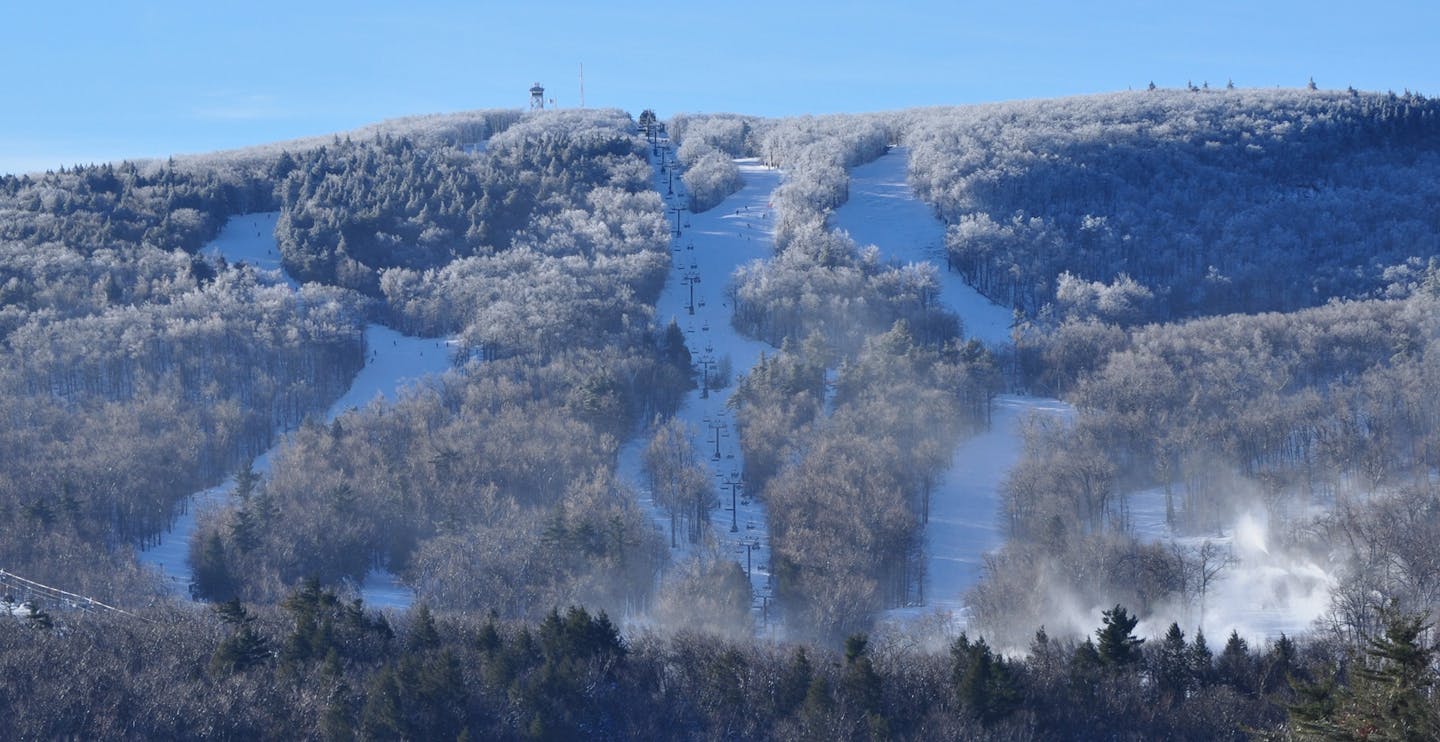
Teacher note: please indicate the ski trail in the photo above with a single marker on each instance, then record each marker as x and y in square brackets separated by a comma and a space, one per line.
[883, 211]
[392, 361]
[964, 522]
[1260, 595]
[709, 247]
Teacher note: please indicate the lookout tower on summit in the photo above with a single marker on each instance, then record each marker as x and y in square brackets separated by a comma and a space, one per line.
[537, 97]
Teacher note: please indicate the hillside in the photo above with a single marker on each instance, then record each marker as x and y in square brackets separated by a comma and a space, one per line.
[512, 364]
[1211, 201]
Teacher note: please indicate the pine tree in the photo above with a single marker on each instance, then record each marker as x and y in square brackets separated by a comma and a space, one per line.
[243, 649]
[1172, 666]
[383, 716]
[1314, 706]
[984, 682]
[1118, 647]
[423, 634]
[1393, 690]
[488, 640]
[861, 682]
[819, 706]
[438, 706]
[338, 722]
[794, 682]
[1390, 692]
[1202, 660]
[1235, 668]
[245, 480]
[1281, 669]
[232, 612]
[211, 569]
[243, 531]
[1086, 657]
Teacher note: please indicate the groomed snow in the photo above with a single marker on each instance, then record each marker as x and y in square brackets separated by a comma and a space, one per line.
[883, 211]
[964, 507]
[392, 362]
[712, 244]
[1261, 595]
[250, 239]
[964, 512]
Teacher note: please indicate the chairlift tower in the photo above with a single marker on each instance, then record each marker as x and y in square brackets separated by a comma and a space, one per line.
[537, 97]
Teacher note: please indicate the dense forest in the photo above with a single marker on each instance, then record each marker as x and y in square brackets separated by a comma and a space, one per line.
[320, 667]
[1209, 200]
[135, 370]
[1320, 418]
[1235, 290]
[515, 451]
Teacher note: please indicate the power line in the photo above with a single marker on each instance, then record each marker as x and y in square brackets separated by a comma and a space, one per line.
[16, 582]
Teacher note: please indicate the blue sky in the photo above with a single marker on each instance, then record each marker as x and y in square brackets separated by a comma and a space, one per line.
[93, 81]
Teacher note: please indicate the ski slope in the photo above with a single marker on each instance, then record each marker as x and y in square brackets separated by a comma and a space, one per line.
[964, 509]
[710, 246]
[883, 211]
[1261, 594]
[1262, 590]
[392, 362]
[250, 239]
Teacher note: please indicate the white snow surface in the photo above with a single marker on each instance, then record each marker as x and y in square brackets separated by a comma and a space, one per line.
[883, 211]
[964, 512]
[712, 244]
[964, 508]
[250, 239]
[1263, 592]
[392, 361]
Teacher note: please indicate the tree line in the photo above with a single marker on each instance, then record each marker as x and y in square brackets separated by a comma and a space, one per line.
[321, 666]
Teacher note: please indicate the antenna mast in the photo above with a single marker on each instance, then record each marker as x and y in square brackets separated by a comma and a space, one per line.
[582, 84]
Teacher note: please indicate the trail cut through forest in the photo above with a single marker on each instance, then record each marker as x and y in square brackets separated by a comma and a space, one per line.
[706, 248]
[964, 521]
[392, 361]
